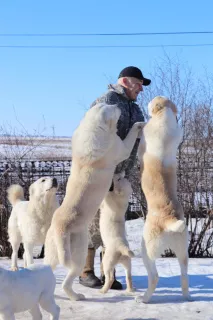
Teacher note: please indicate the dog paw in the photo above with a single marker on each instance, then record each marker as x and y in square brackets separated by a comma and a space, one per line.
[14, 268]
[180, 226]
[139, 299]
[130, 291]
[145, 299]
[142, 299]
[177, 226]
[77, 297]
[188, 298]
[139, 127]
[81, 296]
[103, 291]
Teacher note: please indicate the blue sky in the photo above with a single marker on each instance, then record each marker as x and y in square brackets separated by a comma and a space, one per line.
[58, 85]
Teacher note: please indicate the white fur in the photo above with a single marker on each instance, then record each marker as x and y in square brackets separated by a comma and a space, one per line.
[96, 150]
[164, 226]
[30, 220]
[162, 137]
[112, 228]
[26, 289]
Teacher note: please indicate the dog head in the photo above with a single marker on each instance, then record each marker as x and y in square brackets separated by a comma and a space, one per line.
[43, 187]
[121, 186]
[158, 104]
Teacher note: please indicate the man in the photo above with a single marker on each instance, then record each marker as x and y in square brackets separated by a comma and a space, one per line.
[130, 83]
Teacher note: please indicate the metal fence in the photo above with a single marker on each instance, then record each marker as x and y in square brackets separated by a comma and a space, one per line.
[25, 173]
[196, 199]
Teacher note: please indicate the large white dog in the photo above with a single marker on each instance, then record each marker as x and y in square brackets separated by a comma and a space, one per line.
[30, 220]
[112, 228]
[96, 150]
[164, 227]
[26, 289]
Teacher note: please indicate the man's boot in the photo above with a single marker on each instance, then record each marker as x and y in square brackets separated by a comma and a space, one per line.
[88, 277]
[116, 284]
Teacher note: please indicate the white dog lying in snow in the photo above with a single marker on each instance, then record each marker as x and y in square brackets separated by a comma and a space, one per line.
[27, 289]
[30, 220]
[112, 228]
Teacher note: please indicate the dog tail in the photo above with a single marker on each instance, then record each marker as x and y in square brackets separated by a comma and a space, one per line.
[176, 226]
[125, 251]
[15, 193]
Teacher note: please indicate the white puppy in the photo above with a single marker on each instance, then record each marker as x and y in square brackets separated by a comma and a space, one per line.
[164, 226]
[30, 220]
[96, 150]
[112, 228]
[26, 289]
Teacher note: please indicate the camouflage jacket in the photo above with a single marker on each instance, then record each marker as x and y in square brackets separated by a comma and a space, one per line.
[130, 113]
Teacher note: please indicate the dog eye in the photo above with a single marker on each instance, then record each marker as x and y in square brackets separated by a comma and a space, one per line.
[42, 180]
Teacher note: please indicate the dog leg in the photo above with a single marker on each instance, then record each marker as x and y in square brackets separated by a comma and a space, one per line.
[109, 279]
[28, 251]
[109, 261]
[180, 247]
[126, 261]
[152, 279]
[14, 258]
[25, 260]
[48, 303]
[183, 261]
[152, 275]
[79, 247]
[35, 313]
[50, 253]
[175, 225]
[129, 141]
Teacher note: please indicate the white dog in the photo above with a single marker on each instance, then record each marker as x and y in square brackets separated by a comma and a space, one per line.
[112, 228]
[164, 226]
[30, 220]
[96, 150]
[26, 289]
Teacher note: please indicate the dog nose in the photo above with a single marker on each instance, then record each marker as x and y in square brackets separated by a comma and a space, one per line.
[55, 183]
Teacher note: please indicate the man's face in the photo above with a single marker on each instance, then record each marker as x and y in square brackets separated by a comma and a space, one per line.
[133, 87]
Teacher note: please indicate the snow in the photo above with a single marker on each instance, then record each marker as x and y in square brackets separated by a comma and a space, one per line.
[167, 301]
[35, 148]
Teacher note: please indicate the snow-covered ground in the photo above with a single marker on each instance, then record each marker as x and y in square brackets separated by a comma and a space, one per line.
[167, 302]
[35, 148]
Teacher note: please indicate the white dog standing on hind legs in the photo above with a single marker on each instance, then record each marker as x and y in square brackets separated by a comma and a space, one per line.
[112, 228]
[164, 226]
[96, 150]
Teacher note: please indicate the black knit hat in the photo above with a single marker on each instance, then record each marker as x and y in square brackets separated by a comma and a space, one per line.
[134, 72]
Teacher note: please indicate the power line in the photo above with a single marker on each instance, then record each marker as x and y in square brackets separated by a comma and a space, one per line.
[104, 46]
[101, 34]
